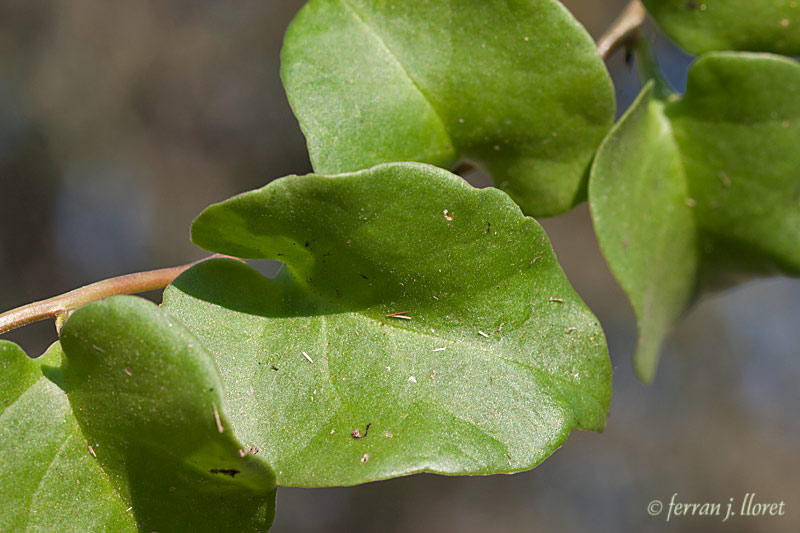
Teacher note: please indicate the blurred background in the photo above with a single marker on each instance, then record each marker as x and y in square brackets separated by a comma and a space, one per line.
[120, 121]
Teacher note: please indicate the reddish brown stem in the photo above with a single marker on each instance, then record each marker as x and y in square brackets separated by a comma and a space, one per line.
[623, 30]
[68, 302]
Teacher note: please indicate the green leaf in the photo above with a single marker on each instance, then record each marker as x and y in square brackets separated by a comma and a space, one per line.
[149, 397]
[706, 25]
[700, 192]
[497, 360]
[738, 129]
[49, 481]
[646, 230]
[516, 87]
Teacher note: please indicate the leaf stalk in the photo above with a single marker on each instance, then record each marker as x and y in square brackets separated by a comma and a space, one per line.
[623, 31]
[59, 307]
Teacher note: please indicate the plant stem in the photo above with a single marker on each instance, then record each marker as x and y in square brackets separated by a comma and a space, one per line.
[648, 69]
[68, 302]
[623, 31]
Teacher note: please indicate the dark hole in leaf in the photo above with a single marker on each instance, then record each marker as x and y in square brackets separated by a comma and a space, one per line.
[225, 471]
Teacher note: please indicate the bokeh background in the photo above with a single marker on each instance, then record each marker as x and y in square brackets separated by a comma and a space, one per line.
[120, 121]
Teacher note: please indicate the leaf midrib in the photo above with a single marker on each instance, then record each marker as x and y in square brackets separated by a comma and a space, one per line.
[363, 21]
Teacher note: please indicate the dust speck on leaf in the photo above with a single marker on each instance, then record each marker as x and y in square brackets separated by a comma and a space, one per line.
[128, 371]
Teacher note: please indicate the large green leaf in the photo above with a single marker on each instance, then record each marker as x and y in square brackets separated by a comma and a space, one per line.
[755, 25]
[49, 481]
[517, 87]
[699, 192]
[497, 360]
[147, 395]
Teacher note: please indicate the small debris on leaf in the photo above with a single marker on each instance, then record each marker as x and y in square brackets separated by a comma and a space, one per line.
[220, 427]
[357, 432]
